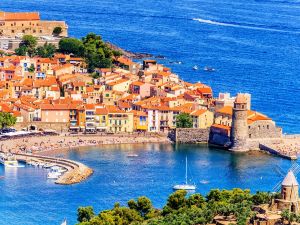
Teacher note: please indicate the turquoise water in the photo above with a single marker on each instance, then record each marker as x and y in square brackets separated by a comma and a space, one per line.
[253, 44]
[27, 197]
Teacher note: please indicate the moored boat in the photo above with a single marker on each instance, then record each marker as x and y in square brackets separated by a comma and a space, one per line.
[186, 186]
[9, 161]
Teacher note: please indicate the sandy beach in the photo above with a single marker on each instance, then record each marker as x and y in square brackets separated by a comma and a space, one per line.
[46, 144]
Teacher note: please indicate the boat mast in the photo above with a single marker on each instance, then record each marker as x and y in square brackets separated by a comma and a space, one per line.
[185, 169]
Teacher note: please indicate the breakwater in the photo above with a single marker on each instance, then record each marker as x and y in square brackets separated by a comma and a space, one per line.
[76, 171]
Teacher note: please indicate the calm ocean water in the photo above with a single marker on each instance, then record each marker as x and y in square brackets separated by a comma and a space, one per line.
[28, 198]
[254, 46]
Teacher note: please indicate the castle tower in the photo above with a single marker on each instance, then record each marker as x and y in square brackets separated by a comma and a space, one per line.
[289, 194]
[239, 128]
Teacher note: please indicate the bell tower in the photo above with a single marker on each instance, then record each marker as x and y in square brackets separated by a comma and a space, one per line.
[239, 128]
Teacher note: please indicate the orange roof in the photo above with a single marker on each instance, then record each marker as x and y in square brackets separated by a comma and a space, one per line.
[101, 111]
[90, 106]
[117, 82]
[137, 83]
[20, 16]
[257, 117]
[220, 126]
[124, 105]
[225, 110]
[55, 106]
[114, 109]
[124, 61]
[198, 112]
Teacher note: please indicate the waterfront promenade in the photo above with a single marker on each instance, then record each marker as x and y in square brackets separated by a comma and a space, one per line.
[48, 144]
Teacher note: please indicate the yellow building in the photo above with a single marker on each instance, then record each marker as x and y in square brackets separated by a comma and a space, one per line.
[119, 85]
[28, 23]
[140, 121]
[101, 118]
[202, 118]
[119, 120]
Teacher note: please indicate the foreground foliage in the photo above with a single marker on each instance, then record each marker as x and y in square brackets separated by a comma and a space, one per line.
[180, 209]
[7, 120]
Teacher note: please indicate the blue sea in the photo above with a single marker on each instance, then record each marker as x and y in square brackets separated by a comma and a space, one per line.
[254, 46]
[28, 198]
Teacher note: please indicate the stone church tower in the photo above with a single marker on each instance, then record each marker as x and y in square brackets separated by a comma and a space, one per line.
[239, 128]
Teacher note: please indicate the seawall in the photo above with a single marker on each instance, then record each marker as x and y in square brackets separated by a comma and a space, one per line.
[189, 135]
[76, 171]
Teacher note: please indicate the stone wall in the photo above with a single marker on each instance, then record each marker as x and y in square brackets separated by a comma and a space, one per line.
[59, 127]
[264, 129]
[219, 139]
[254, 143]
[189, 135]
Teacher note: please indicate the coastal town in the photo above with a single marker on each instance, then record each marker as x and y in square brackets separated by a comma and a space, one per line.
[59, 93]
[62, 94]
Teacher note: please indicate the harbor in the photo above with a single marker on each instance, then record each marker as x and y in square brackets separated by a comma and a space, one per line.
[63, 171]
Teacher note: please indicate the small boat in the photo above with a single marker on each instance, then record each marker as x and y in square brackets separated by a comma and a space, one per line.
[9, 161]
[64, 222]
[132, 155]
[195, 67]
[58, 169]
[209, 69]
[54, 173]
[186, 186]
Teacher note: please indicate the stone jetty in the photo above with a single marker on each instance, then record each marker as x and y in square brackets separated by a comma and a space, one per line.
[76, 171]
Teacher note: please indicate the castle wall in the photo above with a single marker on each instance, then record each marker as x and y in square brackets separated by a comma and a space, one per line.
[31, 27]
[189, 135]
[264, 129]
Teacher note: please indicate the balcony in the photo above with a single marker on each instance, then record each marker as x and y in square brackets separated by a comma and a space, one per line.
[36, 119]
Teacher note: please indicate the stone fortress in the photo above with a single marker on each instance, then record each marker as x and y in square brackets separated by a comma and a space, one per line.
[247, 132]
[241, 129]
[14, 25]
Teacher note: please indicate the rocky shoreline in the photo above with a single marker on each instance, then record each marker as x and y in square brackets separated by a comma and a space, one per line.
[130, 54]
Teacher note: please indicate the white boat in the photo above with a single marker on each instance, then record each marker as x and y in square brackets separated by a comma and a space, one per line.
[54, 173]
[9, 161]
[186, 186]
[132, 155]
[209, 69]
[58, 169]
[195, 67]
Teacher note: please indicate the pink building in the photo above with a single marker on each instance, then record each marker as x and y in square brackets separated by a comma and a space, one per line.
[55, 113]
[140, 88]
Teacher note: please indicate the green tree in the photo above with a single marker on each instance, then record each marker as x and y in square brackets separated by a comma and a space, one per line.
[184, 120]
[31, 69]
[85, 214]
[27, 45]
[261, 198]
[96, 52]
[21, 51]
[71, 46]
[7, 120]
[57, 31]
[46, 51]
[143, 205]
[175, 201]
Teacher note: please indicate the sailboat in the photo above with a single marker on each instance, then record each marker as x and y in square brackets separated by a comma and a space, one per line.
[186, 186]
